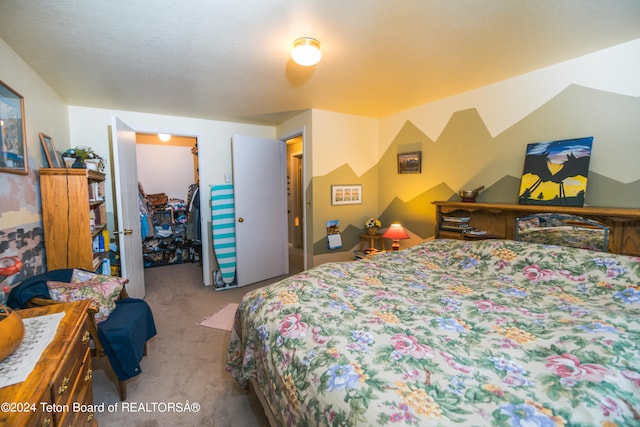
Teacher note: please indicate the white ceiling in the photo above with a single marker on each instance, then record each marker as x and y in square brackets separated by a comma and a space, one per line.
[224, 60]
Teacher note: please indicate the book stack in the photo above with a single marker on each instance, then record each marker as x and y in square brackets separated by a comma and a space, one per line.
[458, 224]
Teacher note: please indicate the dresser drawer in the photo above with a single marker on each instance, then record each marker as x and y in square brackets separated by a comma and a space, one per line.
[70, 367]
[40, 418]
[80, 396]
[81, 414]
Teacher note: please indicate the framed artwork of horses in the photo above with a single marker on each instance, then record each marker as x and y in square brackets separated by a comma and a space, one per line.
[555, 173]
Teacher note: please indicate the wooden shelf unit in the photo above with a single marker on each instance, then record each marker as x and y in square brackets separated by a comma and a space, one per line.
[499, 220]
[69, 196]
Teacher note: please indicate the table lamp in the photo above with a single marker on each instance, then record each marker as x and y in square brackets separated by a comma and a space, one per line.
[395, 232]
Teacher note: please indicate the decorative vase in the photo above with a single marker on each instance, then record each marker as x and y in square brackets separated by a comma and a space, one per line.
[11, 331]
[372, 231]
[79, 164]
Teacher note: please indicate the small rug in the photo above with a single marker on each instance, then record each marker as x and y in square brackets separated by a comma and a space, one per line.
[223, 319]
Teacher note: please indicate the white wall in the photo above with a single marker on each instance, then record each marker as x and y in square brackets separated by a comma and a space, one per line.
[165, 169]
[90, 126]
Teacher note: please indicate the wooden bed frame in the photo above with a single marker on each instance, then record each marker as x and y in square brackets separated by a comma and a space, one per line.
[253, 387]
[499, 221]
[564, 230]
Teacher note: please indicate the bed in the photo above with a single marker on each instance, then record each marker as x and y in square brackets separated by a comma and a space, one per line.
[448, 333]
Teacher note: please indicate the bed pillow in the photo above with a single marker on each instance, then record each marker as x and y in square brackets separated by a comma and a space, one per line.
[101, 290]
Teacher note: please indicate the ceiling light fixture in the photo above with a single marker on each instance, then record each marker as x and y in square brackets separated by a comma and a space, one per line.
[306, 51]
[164, 137]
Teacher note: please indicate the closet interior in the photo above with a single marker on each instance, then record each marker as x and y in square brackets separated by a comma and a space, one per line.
[169, 200]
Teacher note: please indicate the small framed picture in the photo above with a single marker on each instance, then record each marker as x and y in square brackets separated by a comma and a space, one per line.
[410, 162]
[54, 158]
[346, 194]
[13, 145]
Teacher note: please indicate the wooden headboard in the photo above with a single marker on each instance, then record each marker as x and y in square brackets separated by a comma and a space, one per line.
[499, 219]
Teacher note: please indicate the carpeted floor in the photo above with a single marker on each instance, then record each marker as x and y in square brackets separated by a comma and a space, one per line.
[185, 361]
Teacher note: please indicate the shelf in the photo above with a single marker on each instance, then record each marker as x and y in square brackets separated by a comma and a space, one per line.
[97, 230]
[98, 257]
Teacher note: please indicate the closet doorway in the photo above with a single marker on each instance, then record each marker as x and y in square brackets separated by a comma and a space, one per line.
[169, 202]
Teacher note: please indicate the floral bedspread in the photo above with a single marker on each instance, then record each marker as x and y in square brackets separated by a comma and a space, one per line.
[449, 333]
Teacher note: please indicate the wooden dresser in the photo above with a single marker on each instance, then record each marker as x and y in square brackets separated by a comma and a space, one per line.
[499, 220]
[59, 391]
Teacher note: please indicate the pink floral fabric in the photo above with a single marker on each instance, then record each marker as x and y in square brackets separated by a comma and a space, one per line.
[102, 290]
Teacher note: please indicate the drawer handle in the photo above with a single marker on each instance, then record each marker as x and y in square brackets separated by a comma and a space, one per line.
[64, 386]
[86, 337]
[89, 417]
[46, 422]
[89, 375]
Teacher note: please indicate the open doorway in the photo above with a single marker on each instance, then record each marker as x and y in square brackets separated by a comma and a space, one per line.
[169, 201]
[295, 203]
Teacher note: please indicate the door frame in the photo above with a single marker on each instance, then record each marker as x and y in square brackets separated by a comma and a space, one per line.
[301, 132]
[296, 162]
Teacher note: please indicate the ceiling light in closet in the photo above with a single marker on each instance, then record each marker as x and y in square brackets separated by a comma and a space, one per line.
[164, 137]
[306, 51]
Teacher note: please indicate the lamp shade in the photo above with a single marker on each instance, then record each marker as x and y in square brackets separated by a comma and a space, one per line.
[395, 232]
[306, 51]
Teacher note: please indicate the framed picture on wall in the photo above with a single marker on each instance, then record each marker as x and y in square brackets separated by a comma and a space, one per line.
[54, 158]
[346, 194]
[410, 162]
[556, 172]
[13, 145]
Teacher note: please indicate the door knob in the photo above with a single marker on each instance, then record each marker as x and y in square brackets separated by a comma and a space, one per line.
[128, 231]
[240, 219]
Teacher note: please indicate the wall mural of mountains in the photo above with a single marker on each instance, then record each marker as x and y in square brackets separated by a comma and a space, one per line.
[466, 155]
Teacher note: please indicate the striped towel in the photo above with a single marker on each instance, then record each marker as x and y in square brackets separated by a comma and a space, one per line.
[224, 231]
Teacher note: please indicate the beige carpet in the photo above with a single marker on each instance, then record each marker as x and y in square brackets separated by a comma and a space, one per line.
[185, 362]
[223, 319]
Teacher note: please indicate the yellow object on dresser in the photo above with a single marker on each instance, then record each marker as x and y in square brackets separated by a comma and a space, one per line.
[58, 392]
[11, 331]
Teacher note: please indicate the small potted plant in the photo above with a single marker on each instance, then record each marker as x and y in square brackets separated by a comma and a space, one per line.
[372, 225]
[84, 156]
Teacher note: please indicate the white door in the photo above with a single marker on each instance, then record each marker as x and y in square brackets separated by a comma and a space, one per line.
[127, 206]
[260, 197]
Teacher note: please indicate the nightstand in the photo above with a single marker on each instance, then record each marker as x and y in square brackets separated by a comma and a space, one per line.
[373, 240]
